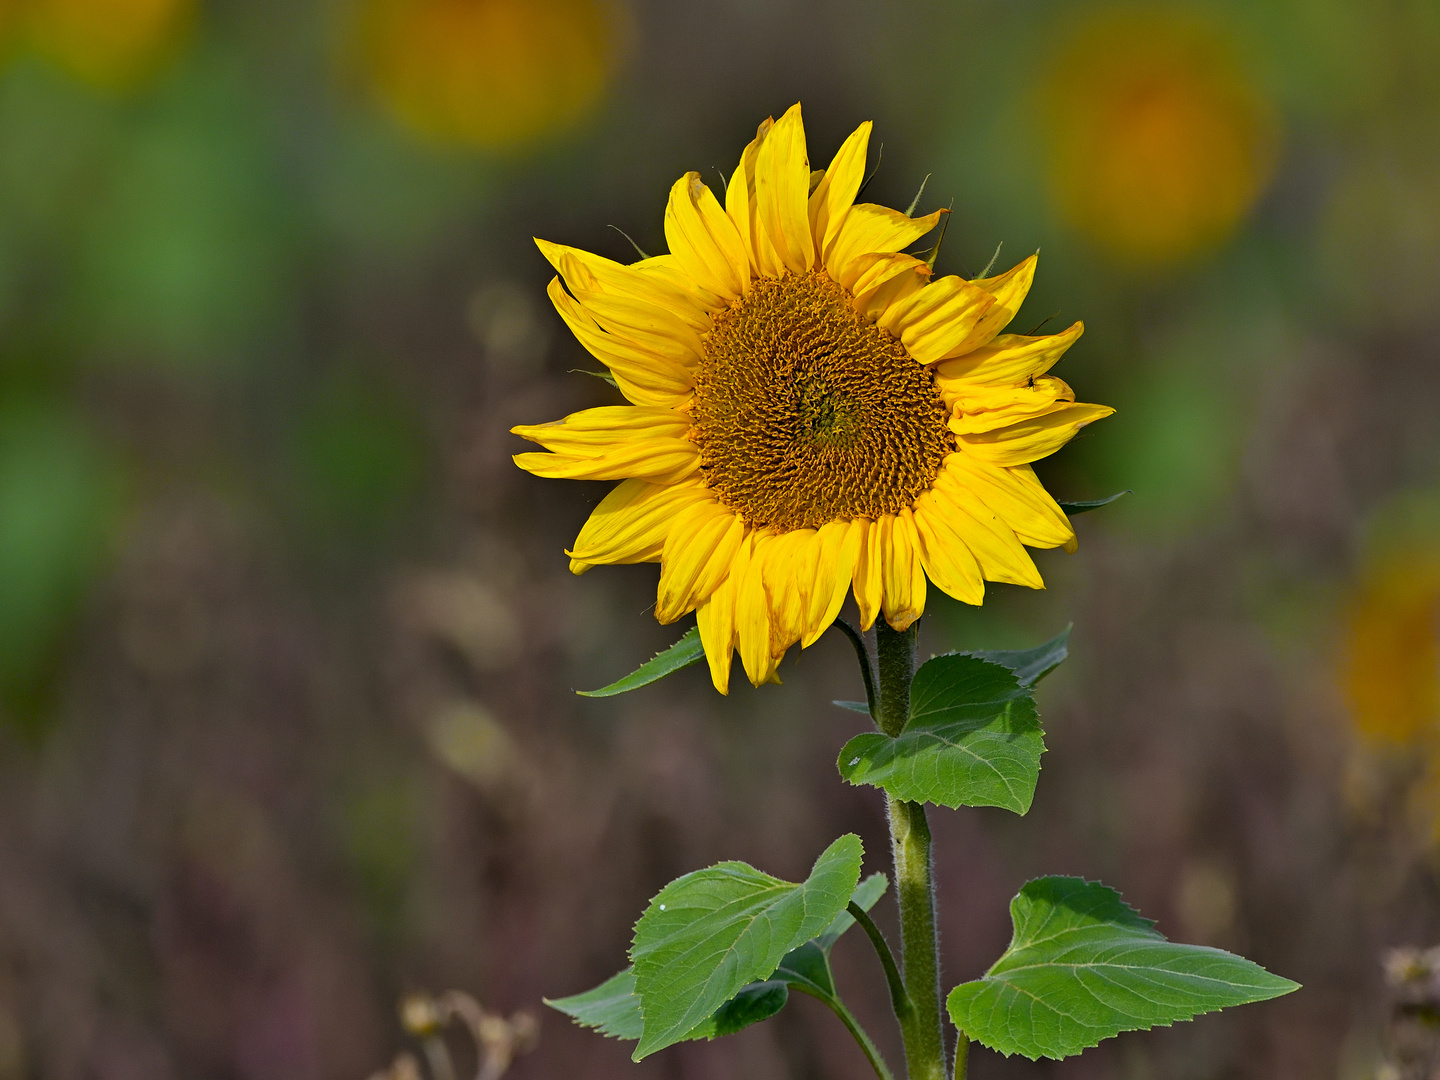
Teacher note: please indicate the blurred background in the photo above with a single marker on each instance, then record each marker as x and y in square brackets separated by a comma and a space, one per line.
[287, 643]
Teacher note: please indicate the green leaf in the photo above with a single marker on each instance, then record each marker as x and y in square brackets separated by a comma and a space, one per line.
[1086, 505]
[973, 739]
[1083, 966]
[613, 1009]
[1031, 665]
[756, 1002]
[866, 895]
[808, 967]
[854, 706]
[688, 650]
[709, 933]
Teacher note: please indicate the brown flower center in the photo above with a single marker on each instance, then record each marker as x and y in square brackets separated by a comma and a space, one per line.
[805, 413]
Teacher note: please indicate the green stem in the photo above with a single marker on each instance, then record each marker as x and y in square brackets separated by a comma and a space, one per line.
[895, 652]
[872, 1052]
[899, 999]
[922, 1030]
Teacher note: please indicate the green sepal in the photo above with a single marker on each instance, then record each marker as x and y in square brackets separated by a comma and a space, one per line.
[613, 1008]
[1086, 505]
[1084, 966]
[603, 376]
[863, 708]
[973, 739]
[688, 650]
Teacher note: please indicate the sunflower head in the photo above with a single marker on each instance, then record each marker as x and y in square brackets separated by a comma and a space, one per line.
[811, 412]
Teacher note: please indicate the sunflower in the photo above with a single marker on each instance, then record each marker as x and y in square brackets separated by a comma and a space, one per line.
[810, 412]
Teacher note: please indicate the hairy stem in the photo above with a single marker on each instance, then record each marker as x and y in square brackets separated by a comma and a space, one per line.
[895, 653]
[922, 1029]
[962, 1055]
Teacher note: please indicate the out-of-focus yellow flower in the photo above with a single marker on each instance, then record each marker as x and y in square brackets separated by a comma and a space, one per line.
[112, 44]
[492, 73]
[1390, 676]
[1159, 143]
[1391, 671]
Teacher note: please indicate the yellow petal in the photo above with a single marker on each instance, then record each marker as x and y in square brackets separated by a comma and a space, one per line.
[663, 461]
[651, 327]
[1009, 290]
[1009, 360]
[740, 206]
[789, 572]
[716, 618]
[868, 583]
[1017, 497]
[585, 270]
[644, 378]
[631, 523]
[984, 408]
[836, 546]
[946, 557]
[704, 241]
[883, 280]
[869, 228]
[931, 321]
[993, 543]
[1030, 440]
[698, 551]
[752, 615]
[664, 270]
[901, 569]
[782, 189]
[598, 430]
[832, 198]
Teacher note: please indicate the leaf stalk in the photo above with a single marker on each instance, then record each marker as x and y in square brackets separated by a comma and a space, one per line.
[899, 999]
[872, 1052]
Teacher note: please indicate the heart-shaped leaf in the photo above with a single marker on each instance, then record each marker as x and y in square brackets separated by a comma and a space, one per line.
[613, 1009]
[709, 933]
[1083, 966]
[973, 739]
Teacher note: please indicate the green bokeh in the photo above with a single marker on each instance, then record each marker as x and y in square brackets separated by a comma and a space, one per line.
[359, 454]
[190, 254]
[59, 497]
